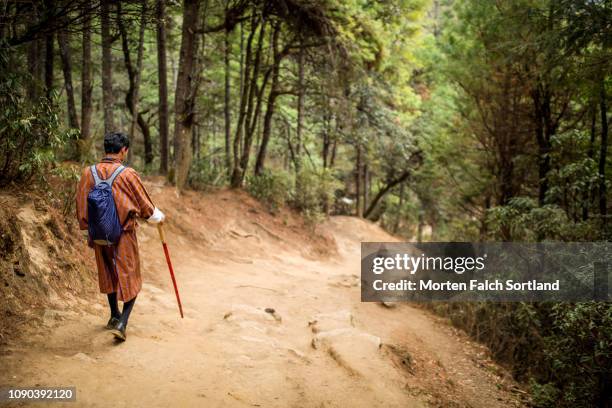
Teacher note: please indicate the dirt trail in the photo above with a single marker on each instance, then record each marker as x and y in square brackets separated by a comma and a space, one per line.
[321, 347]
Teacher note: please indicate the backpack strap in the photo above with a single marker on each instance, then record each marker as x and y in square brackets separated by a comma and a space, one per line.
[94, 173]
[113, 176]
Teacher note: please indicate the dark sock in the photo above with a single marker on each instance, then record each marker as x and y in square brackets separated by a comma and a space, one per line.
[114, 306]
[127, 309]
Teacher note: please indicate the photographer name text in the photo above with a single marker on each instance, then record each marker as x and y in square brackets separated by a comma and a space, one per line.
[474, 285]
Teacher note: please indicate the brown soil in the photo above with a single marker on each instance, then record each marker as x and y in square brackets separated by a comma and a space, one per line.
[272, 317]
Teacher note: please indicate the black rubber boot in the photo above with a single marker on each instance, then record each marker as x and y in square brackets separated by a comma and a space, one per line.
[112, 322]
[114, 309]
[119, 330]
[114, 306]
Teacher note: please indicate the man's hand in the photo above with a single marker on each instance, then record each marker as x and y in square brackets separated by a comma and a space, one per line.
[157, 217]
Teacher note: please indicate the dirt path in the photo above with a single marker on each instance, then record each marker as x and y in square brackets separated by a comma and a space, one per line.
[321, 347]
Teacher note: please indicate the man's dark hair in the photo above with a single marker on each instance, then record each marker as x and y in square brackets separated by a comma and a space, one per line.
[115, 141]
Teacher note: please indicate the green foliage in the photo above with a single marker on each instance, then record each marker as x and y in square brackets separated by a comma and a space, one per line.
[480, 179]
[563, 350]
[579, 352]
[401, 220]
[272, 188]
[314, 192]
[68, 177]
[204, 175]
[528, 222]
[544, 395]
[30, 133]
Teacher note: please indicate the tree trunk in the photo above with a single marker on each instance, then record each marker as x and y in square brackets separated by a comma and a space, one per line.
[64, 47]
[332, 160]
[35, 69]
[241, 88]
[586, 197]
[133, 85]
[236, 177]
[107, 68]
[366, 183]
[194, 141]
[253, 111]
[398, 219]
[421, 225]
[358, 165]
[49, 54]
[162, 78]
[86, 89]
[325, 150]
[267, 125]
[33, 60]
[226, 107]
[185, 92]
[300, 101]
[291, 155]
[136, 86]
[545, 130]
[383, 191]
[484, 225]
[199, 69]
[197, 136]
[603, 207]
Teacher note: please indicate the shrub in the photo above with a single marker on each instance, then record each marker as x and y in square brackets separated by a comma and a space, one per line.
[578, 354]
[204, 174]
[314, 192]
[30, 134]
[274, 189]
[65, 190]
[526, 221]
[563, 350]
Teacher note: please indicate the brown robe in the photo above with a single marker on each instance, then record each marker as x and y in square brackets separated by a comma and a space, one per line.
[131, 200]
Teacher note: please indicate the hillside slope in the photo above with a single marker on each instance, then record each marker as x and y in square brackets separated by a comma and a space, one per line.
[272, 318]
[45, 264]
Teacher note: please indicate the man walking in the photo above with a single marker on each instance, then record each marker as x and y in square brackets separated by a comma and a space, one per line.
[118, 263]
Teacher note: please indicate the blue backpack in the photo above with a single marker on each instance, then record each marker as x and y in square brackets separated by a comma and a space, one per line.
[102, 218]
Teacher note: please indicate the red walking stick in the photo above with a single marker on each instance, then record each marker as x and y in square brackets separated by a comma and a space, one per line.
[163, 240]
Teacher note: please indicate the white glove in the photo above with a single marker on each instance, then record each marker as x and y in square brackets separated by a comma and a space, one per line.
[157, 217]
